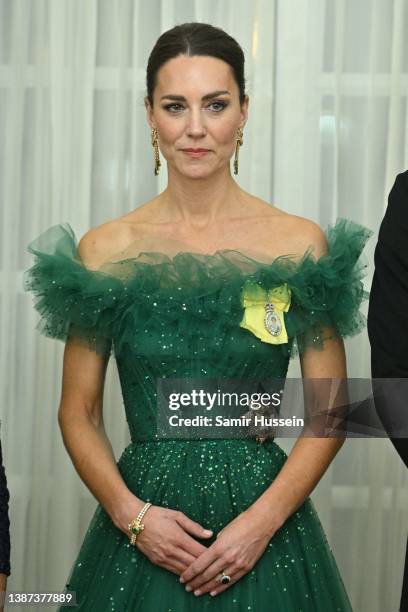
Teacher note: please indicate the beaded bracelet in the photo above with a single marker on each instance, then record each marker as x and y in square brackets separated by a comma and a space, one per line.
[135, 527]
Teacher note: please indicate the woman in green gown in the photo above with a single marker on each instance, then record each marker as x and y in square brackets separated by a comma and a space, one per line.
[236, 508]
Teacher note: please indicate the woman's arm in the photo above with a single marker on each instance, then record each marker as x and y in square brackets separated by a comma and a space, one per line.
[310, 456]
[240, 544]
[80, 418]
[80, 415]
[81, 421]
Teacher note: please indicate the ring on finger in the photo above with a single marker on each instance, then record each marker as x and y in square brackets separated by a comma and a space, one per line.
[223, 578]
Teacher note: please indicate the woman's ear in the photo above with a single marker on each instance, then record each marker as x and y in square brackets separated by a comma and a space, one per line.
[149, 111]
[244, 110]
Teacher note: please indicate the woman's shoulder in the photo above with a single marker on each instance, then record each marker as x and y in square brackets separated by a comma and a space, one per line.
[102, 242]
[106, 241]
[308, 234]
[289, 233]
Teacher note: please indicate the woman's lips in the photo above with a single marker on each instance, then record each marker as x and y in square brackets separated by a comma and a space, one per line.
[195, 153]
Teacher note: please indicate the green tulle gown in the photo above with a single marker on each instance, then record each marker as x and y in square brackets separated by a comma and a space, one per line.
[175, 317]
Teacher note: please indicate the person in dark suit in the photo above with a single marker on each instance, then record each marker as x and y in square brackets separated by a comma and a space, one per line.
[4, 529]
[387, 321]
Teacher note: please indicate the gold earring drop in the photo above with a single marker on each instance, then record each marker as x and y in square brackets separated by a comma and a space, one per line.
[155, 143]
[239, 144]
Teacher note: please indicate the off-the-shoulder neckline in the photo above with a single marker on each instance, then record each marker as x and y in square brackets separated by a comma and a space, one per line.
[237, 261]
[155, 257]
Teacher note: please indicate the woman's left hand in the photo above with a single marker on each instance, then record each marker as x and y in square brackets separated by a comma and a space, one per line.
[236, 550]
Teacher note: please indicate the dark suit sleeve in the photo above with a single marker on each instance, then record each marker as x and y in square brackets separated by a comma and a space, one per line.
[387, 320]
[4, 521]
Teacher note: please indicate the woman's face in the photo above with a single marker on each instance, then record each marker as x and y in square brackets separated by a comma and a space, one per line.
[196, 106]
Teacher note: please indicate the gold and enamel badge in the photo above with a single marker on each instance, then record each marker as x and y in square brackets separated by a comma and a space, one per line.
[264, 311]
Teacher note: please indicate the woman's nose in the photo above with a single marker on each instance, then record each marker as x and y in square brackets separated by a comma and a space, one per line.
[195, 123]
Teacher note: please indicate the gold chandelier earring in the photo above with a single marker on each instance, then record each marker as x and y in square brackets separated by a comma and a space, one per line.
[155, 143]
[239, 144]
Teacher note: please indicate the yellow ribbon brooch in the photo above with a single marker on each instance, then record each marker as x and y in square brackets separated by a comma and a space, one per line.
[263, 314]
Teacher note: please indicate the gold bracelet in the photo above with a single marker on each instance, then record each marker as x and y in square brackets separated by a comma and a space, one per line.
[135, 527]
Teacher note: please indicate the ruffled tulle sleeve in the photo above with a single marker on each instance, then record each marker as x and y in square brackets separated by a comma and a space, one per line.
[71, 299]
[328, 292]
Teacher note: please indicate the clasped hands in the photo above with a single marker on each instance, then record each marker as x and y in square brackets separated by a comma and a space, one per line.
[166, 542]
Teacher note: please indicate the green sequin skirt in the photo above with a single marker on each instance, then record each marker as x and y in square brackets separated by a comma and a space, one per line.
[211, 481]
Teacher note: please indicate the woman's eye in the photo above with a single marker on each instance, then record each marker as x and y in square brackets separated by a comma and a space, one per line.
[222, 104]
[170, 107]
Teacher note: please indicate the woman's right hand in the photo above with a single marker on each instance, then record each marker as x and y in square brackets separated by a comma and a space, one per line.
[166, 538]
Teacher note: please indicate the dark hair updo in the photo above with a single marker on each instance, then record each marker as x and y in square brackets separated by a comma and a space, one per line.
[195, 39]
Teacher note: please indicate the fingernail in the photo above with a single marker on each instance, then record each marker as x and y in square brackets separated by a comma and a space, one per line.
[181, 579]
[207, 531]
[197, 592]
[213, 593]
[188, 588]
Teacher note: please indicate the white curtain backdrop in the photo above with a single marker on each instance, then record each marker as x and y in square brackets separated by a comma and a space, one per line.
[326, 136]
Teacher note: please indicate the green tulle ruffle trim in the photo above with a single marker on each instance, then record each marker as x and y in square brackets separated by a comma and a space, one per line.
[124, 298]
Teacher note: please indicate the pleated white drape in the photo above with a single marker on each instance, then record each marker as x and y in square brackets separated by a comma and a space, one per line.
[326, 135]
